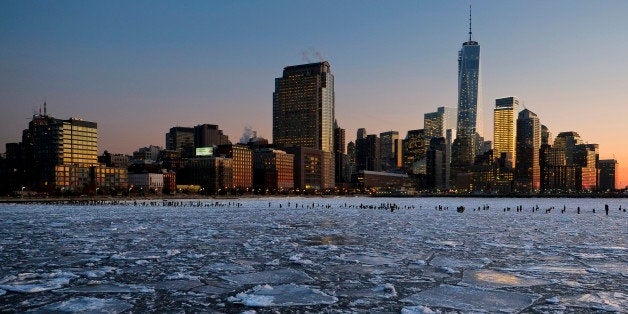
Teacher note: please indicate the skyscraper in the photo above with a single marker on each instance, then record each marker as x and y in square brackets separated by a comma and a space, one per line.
[505, 127]
[528, 169]
[468, 93]
[181, 139]
[437, 123]
[608, 175]
[209, 135]
[303, 111]
[390, 150]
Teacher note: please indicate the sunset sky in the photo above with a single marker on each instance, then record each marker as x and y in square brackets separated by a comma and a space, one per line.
[138, 68]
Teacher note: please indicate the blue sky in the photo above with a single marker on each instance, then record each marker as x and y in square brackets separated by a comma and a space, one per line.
[140, 67]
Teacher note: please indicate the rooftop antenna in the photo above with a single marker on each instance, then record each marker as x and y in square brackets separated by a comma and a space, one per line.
[469, 22]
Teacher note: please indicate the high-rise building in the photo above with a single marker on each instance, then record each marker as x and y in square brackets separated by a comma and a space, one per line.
[436, 124]
[505, 127]
[415, 147]
[586, 159]
[303, 111]
[468, 100]
[528, 169]
[367, 153]
[206, 135]
[181, 139]
[546, 136]
[568, 142]
[608, 175]
[390, 151]
[438, 164]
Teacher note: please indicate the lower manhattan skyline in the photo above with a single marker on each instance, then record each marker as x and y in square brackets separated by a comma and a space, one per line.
[140, 68]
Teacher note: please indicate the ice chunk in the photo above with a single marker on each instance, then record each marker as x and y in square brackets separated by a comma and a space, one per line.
[493, 279]
[383, 291]
[111, 288]
[87, 304]
[472, 299]
[417, 310]
[101, 272]
[603, 300]
[32, 282]
[453, 263]
[3, 292]
[372, 259]
[182, 276]
[286, 275]
[181, 284]
[282, 295]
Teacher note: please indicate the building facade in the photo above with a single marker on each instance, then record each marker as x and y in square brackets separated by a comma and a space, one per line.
[207, 135]
[505, 127]
[390, 150]
[181, 139]
[273, 169]
[468, 99]
[303, 109]
[608, 175]
[528, 168]
[242, 164]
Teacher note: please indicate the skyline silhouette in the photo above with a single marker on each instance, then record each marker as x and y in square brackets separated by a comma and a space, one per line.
[216, 63]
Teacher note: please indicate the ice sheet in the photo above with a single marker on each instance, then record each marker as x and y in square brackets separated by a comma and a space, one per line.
[283, 295]
[472, 299]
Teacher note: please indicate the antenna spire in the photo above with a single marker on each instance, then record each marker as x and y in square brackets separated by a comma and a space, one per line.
[469, 22]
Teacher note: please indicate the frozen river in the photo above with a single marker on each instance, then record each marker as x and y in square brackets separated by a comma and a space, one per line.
[316, 255]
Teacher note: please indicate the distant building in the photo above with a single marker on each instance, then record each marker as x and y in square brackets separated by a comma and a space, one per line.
[586, 158]
[437, 164]
[147, 154]
[181, 139]
[546, 136]
[437, 123]
[273, 169]
[390, 151]
[303, 110]
[608, 175]
[556, 175]
[415, 147]
[206, 135]
[341, 163]
[309, 168]
[367, 153]
[528, 169]
[464, 147]
[505, 127]
[242, 165]
[376, 179]
[145, 183]
[213, 174]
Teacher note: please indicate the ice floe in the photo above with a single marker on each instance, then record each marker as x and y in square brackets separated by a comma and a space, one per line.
[472, 299]
[34, 282]
[87, 305]
[286, 275]
[282, 295]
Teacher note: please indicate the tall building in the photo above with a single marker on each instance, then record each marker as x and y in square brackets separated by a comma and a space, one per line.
[505, 127]
[586, 159]
[415, 147]
[303, 111]
[342, 164]
[528, 169]
[390, 151]
[568, 142]
[181, 139]
[437, 169]
[206, 135]
[436, 124]
[546, 136]
[608, 175]
[367, 153]
[468, 94]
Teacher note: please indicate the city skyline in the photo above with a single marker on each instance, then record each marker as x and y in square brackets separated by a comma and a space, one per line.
[124, 68]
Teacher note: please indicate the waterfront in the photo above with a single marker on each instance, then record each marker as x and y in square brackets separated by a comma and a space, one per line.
[316, 254]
